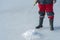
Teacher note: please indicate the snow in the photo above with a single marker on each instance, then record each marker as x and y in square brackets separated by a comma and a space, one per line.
[17, 17]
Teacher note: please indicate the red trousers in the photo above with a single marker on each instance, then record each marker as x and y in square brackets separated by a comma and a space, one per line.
[45, 7]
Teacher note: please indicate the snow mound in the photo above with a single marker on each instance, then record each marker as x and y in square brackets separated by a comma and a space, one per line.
[31, 35]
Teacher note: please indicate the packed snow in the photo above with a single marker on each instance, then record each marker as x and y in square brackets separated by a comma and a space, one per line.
[17, 17]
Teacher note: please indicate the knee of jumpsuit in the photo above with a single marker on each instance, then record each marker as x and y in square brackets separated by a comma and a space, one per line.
[50, 15]
[42, 14]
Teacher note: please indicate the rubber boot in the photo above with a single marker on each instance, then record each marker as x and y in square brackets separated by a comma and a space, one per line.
[51, 24]
[40, 23]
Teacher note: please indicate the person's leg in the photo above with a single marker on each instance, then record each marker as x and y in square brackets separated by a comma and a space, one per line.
[50, 13]
[51, 19]
[42, 14]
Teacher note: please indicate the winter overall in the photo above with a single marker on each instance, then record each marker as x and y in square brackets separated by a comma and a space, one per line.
[45, 6]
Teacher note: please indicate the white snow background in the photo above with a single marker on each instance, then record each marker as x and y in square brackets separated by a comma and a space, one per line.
[17, 16]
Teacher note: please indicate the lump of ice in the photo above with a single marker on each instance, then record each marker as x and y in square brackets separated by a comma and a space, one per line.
[31, 35]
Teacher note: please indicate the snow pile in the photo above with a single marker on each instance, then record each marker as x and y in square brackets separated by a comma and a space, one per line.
[31, 35]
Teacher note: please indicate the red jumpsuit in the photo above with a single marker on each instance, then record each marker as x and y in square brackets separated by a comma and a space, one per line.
[46, 6]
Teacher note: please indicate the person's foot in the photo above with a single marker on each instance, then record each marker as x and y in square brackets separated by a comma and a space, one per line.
[40, 26]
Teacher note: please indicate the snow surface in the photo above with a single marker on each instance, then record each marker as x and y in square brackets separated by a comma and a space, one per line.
[17, 16]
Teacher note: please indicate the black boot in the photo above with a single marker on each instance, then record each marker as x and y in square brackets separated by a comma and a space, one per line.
[51, 24]
[40, 23]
